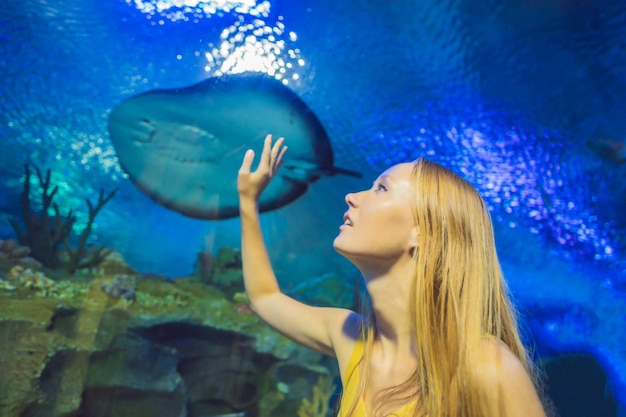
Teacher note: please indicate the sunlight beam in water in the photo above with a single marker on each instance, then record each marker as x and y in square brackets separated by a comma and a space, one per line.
[175, 10]
[251, 44]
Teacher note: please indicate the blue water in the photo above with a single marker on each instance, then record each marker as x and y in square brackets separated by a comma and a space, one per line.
[508, 94]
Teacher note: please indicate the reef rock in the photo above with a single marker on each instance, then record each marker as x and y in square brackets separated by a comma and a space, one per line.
[178, 349]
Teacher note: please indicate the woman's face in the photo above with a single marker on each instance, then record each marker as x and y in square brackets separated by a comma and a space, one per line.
[379, 224]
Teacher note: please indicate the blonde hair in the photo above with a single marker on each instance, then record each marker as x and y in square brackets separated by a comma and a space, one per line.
[459, 299]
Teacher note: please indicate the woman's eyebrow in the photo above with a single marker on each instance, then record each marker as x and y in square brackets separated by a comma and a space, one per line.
[381, 179]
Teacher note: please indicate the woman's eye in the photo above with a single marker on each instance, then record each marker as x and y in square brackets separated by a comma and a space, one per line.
[381, 187]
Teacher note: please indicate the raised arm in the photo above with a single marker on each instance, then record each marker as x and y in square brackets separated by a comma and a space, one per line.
[323, 329]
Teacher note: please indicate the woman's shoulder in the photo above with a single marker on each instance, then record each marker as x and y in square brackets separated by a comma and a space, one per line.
[492, 349]
[505, 381]
[346, 334]
[496, 360]
[349, 329]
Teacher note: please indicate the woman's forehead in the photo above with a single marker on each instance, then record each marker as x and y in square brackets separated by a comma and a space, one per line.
[399, 171]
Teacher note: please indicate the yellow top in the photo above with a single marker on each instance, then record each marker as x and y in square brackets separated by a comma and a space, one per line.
[350, 387]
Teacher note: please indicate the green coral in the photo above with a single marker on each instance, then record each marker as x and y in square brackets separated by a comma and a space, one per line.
[7, 286]
[37, 284]
[270, 401]
[318, 406]
[28, 278]
[227, 271]
[165, 302]
[70, 290]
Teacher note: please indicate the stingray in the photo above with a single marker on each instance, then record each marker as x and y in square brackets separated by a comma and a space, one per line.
[183, 147]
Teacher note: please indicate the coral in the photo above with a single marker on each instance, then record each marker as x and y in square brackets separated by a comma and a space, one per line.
[240, 298]
[41, 286]
[44, 234]
[269, 401]
[11, 251]
[71, 292]
[329, 290]
[68, 350]
[242, 304]
[122, 287]
[227, 271]
[28, 278]
[165, 303]
[319, 405]
[7, 286]
[223, 271]
[114, 263]
[203, 267]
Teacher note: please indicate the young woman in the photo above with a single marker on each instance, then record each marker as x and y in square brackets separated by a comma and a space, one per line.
[440, 338]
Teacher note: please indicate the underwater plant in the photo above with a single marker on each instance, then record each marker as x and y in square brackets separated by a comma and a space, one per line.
[319, 405]
[45, 234]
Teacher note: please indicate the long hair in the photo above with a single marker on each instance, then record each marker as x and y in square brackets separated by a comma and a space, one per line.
[459, 299]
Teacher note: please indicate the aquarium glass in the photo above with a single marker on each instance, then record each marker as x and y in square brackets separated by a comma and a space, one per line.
[122, 127]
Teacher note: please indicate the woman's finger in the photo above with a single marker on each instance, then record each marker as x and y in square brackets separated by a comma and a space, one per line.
[246, 164]
[278, 160]
[276, 148]
[281, 154]
[265, 156]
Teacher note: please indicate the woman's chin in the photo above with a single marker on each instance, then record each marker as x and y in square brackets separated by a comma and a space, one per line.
[340, 248]
[337, 245]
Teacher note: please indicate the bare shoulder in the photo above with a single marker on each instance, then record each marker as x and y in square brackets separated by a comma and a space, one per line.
[344, 329]
[508, 387]
[345, 334]
[495, 359]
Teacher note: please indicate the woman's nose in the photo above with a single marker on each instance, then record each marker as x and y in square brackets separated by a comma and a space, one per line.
[351, 199]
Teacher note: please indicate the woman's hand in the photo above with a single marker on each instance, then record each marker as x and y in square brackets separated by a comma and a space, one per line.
[251, 184]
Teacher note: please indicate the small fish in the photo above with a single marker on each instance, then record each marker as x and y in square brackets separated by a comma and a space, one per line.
[183, 147]
[611, 149]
